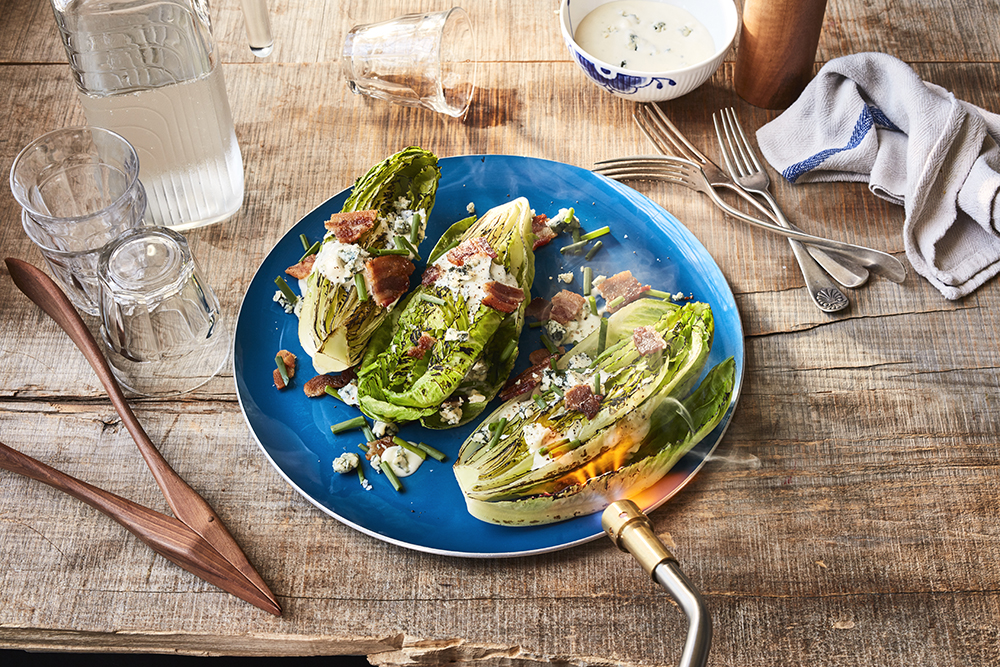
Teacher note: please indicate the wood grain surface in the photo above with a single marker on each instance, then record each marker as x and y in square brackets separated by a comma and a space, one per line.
[849, 516]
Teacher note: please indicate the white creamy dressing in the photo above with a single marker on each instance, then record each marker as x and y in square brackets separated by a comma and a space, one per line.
[644, 35]
[402, 461]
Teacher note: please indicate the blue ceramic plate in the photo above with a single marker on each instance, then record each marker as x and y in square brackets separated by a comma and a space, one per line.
[430, 515]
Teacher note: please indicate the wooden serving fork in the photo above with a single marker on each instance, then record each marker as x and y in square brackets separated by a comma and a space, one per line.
[192, 510]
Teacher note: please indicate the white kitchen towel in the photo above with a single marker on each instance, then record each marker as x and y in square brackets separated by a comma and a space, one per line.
[869, 117]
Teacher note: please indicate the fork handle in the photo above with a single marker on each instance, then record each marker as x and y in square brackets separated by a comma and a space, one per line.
[874, 260]
[843, 271]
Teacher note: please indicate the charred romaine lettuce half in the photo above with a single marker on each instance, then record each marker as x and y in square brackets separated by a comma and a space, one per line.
[470, 346]
[334, 325]
[552, 463]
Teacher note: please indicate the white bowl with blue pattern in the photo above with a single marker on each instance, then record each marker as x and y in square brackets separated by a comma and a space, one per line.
[719, 17]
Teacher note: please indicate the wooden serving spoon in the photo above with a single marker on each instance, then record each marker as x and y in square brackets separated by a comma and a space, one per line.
[185, 502]
[165, 535]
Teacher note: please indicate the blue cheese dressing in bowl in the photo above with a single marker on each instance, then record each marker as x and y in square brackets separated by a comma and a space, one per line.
[644, 35]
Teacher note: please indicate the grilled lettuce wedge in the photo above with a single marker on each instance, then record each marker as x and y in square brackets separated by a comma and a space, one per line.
[645, 423]
[475, 345]
[334, 325]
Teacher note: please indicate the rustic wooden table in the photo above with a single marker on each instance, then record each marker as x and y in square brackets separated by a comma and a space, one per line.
[850, 517]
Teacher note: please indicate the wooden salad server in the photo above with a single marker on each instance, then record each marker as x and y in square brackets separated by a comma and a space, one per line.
[185, 502]
[165, 535]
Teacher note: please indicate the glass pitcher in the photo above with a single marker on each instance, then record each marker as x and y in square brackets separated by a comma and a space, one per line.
[148, 70]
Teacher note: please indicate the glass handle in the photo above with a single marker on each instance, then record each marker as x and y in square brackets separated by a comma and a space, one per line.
[258, 23]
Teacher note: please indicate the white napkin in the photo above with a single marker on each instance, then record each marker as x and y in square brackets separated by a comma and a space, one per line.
[869, 117]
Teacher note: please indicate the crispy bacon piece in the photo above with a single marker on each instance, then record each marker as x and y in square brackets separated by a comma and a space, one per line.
[647, 340]
[378, 447]
[529, 378]
[566, 306]
[348, 227]
[621, 285]
[387, 277]
[502, 297]
[431, 274]
[424, 343]
[317, 385]
[543, 233]
[539, 308]
[477, 245]
[302, 269]
[583, 399]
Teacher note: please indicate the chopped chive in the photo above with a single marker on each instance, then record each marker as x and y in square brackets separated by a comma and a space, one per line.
[413, 448]
[430, 298]
[348, 425]
[602, 336]
[433, 453]
[573, 248]
[390, 475]
[558, 390]
[577, 236]
[359, 283]
[378, 252]
[281, 368]
[286, 291]
[497, 430]
[549, 345]
[369, 436]
[363, 447]
[539, 401]
[571, 217]
[305, 242]
[361, 475]
[536, 325]
[552, 363]
[403, 241]
[331, 391]
[593, 251]
[311, 250]
[588, 277]
[415, 229]
[589, 236]
[597, 383]
[593, 304]
[617, 301]
[508, 350]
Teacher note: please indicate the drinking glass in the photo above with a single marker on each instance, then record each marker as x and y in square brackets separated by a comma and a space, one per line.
[160, 321]
[78, 188]
[416, 60]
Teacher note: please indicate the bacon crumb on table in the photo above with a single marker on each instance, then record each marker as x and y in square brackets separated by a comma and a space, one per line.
[348, 227]
[621, 285]
[289, 360]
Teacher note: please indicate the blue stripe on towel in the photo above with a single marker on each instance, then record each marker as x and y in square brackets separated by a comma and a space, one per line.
[861, 128]
[882, 120]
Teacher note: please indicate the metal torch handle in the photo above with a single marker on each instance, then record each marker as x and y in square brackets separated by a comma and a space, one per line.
[632, 531]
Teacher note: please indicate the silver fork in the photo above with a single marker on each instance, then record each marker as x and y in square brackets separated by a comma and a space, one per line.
[691, 175]
[745, 169]
[663, 134]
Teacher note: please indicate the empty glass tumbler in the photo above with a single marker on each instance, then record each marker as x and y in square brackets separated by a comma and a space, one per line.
[417, 60]
[78, 188]
[160, 321]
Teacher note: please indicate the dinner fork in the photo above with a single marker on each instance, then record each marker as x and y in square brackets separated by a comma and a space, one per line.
[745, 169]
[685, 172]
[669, 140]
